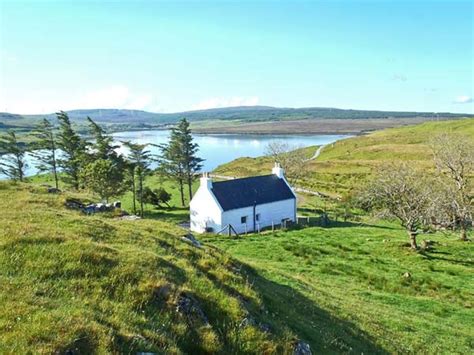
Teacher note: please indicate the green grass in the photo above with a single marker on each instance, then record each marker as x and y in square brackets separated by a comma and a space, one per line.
[344, 165]
[95, 284]
[350, 280]
[98, 285]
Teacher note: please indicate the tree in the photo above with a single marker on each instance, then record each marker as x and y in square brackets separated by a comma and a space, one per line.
[179, 158]
[156, 197]
[404, 193]
[12, 163]
[103, 146]
[45, 149]
[102, 177]
[191, 162]
[139, 160]
[74, 151]
[291, 158]
[172, 164]
[130, 181]
[454, 159]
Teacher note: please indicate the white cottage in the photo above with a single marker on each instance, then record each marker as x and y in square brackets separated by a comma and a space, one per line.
[247, 204]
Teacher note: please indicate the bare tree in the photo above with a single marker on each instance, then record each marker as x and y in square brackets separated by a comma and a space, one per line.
[403, 192]
[291, 158]
[454, 159]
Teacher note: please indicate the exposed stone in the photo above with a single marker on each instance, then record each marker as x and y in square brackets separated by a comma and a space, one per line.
[131, 217]
[188, 306]
[53, 190]
[74, 204]
[407, 275]
[264, 327]
[189, 238]
[302, 348]
[247, 321]
[163, 292]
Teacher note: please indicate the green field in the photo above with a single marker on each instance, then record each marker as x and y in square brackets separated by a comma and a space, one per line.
[346, 164]
[101, 285]
[348, 279]
[96, 284]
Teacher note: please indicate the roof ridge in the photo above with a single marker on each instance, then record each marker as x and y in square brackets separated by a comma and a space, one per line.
[243, 178]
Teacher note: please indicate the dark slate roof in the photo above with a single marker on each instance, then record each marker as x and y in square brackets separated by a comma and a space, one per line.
[238, 193]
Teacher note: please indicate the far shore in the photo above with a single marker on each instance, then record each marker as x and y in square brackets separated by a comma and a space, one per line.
[311, 126]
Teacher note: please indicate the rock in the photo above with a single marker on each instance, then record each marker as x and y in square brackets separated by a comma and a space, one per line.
[407, 275]
[131, 217]
[302, 348]
[163, 292]
[189, 238]
[117, 204]
[74, 204]
[264, 327]
[247, 321]
[53, 190]
[89, 209]
[189, 307]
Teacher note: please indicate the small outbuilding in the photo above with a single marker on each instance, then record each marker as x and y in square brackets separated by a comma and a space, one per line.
[244, 205]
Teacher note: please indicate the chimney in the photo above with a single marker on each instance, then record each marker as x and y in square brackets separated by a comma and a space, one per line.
[206, 181]
[278, 171]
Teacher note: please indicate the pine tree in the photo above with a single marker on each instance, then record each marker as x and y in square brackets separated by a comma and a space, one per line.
[45, 149]
[139, 158]
[12, 163]
[74, 151]
[171, 162]
[192, 163]
[179, 158]
[103, 147]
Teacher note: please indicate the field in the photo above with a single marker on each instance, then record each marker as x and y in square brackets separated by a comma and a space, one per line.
[96, 284]
[346, 164]
[100, 285]
[306, 126]
[349, 279]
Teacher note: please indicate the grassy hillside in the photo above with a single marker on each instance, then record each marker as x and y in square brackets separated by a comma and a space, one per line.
[94, 284]
[355, 274]
[120, 119]
[343, 165]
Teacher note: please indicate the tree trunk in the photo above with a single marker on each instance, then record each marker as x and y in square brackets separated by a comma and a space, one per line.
[190, 187]
[412, 235]
[134, 194]
[56, 182]
[55, 170]
[141, 194]
[181, 190]
[463, 232]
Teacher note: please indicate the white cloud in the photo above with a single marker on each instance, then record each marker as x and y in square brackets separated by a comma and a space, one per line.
[463, 99]
[217, 102]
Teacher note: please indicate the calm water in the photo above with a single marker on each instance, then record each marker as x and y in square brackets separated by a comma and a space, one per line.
[216, 149]
[221, 148]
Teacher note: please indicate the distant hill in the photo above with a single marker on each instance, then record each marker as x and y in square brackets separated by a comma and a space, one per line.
[137, 118]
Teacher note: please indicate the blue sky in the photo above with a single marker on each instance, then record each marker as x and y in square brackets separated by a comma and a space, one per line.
[168, 56]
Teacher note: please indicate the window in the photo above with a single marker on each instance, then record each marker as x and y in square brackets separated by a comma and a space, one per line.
[243, 219]
[257, 217]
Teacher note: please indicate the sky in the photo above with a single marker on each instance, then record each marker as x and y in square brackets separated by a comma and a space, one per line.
[171, 56]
